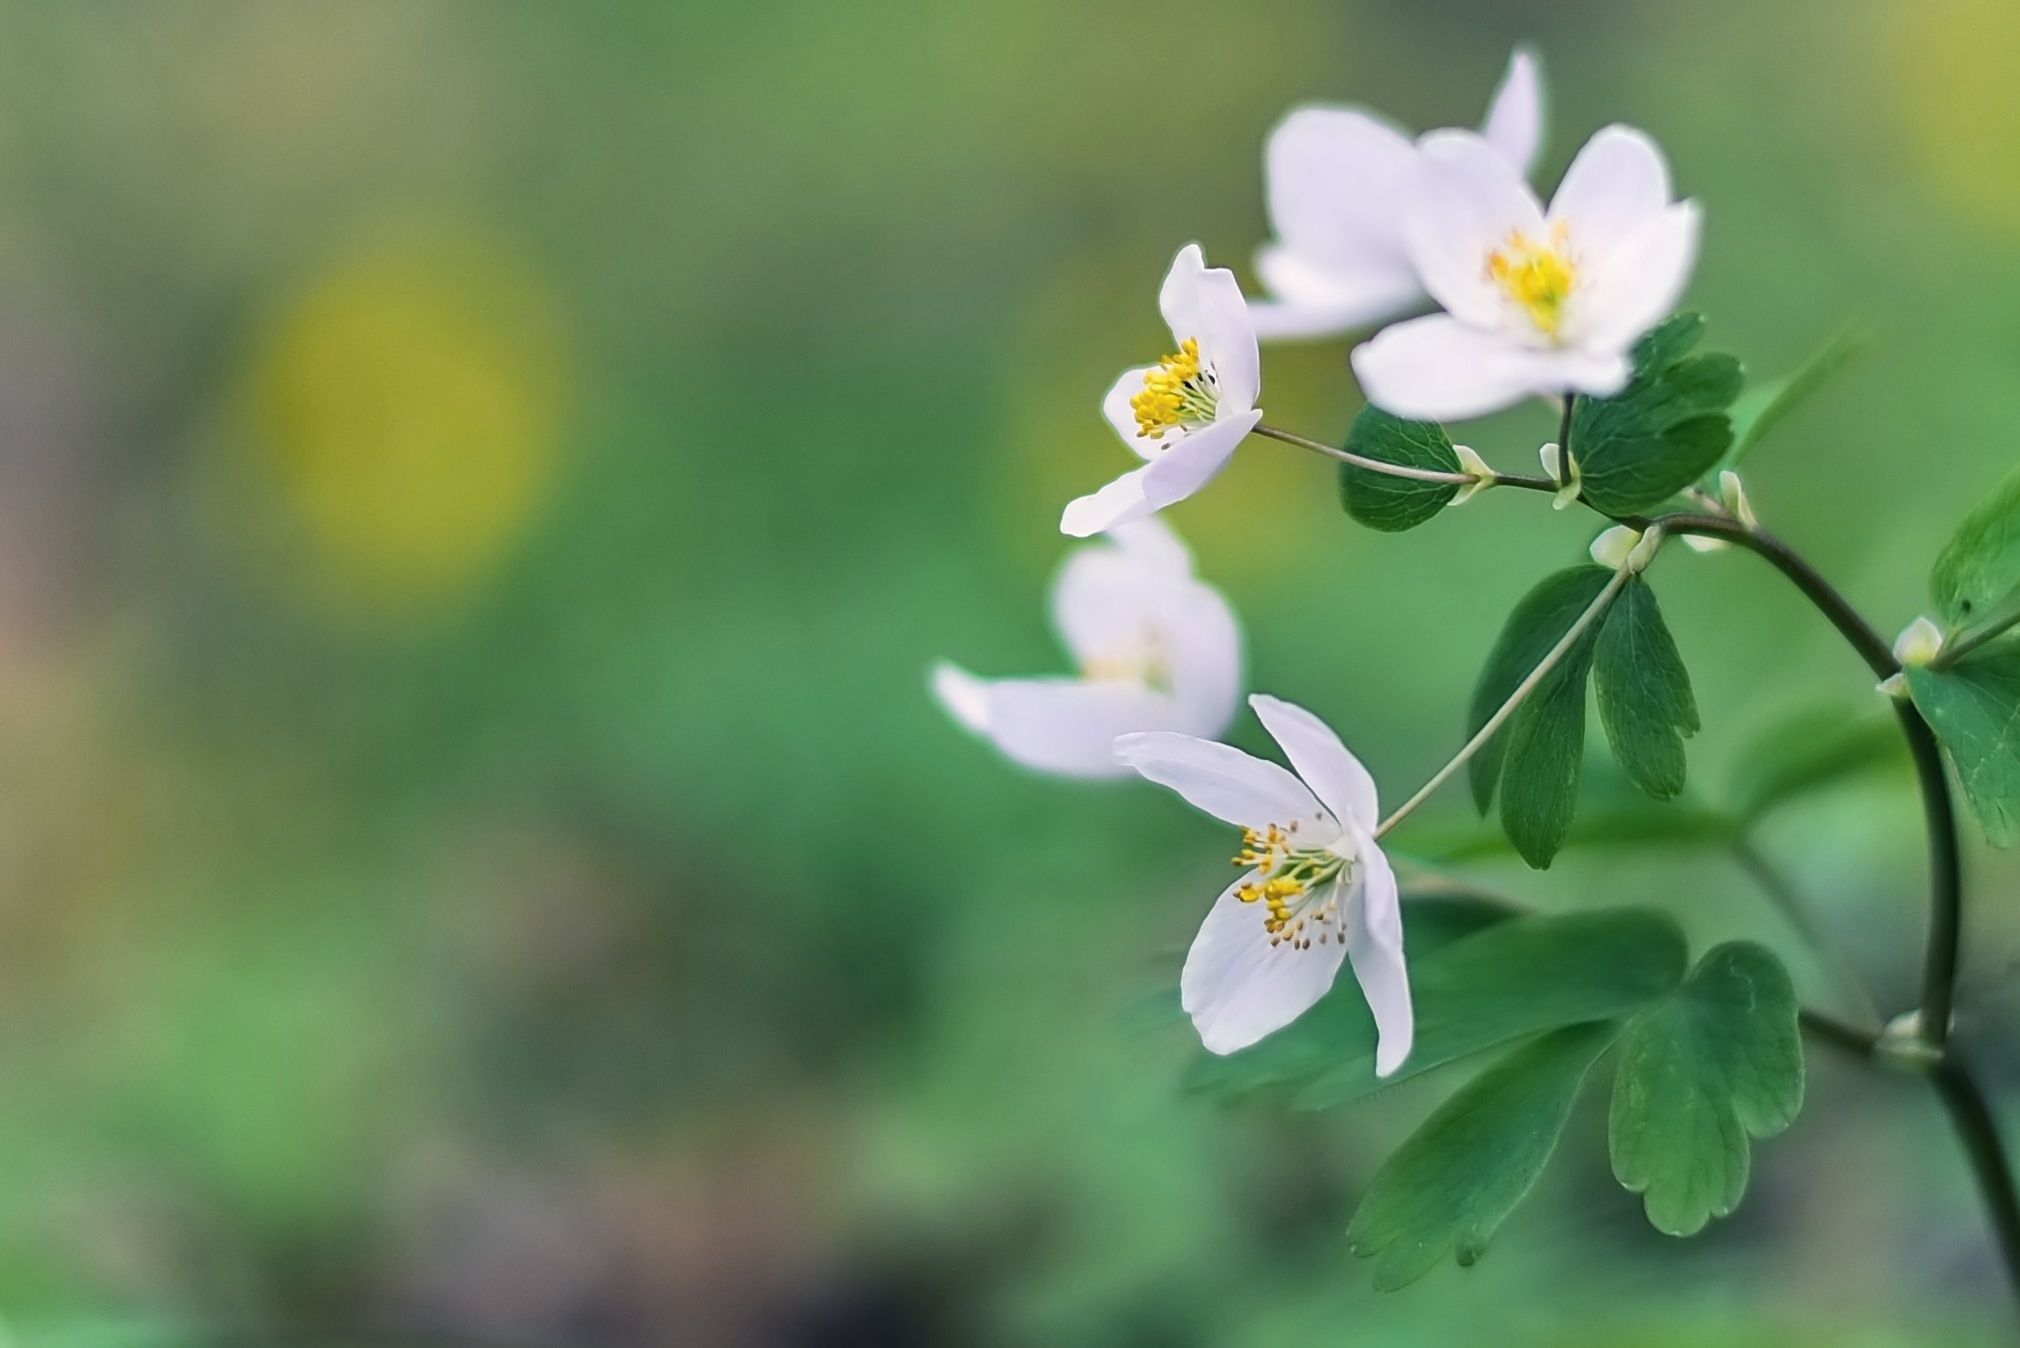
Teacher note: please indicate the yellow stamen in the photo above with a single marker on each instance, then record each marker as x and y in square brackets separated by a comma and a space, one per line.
[1538, 276]
[1176, 392]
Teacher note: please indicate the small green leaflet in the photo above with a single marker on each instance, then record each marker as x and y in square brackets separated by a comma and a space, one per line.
[1663, 431]
[1719, 1062]
[1974, 708]
[1450, 1186]
[1645, 701]
[1645, 705]
[1545, 614]
[1981, 563]
[1382, 500]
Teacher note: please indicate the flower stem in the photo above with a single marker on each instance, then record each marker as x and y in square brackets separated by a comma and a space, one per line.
[1971, 1115]
[1361, 461]
[1399, 469]
[1939, 975]
[1965, 640]
[1550, 661]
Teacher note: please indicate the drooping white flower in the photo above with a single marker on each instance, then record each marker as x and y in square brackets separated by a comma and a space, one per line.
[1335, 179]
[1535, 303]
[1157, 648]
[1316, 888]
[1185, 414]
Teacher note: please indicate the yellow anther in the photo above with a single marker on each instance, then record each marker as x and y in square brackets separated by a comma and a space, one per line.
[1538, 276]
[1176, 392]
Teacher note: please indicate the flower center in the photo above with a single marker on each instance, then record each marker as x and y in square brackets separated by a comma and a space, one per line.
[1141, 661]
[1292, 885]
[1178, 391]
[1538, 276]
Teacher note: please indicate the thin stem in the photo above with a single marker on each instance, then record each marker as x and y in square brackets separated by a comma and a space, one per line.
[1401, 470]
[1772, 883]
[1838, 1034]
[1971, 1115]
[1550, 661]
[1360, 461]
[1939, 974]
[1564, 441]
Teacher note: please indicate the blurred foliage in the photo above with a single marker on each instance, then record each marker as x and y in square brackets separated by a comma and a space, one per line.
[482, 484]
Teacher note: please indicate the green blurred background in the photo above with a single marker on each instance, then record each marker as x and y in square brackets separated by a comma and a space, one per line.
[481, 485]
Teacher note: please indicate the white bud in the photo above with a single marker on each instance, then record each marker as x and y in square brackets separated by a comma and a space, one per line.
[1553, 460]
[1700, 543]
[1733, 492]
[1475, 467]
[1894, 686]
[1613, 547]
[1918, 643]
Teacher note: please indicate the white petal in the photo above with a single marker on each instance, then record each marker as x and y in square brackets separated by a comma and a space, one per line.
[1196, 459]
[1115, 407]
[1374, 922]
[1617, 184]
[1317, 301]
[1067, 726]
[1439, 369]
[1205, 302]
[1466, 201]
[1137, 602]
[965, 697]
[1237, 987]
[1639, 282]
[1514, 123]
[1228, 784]
[1335, 776]
[1120, 502]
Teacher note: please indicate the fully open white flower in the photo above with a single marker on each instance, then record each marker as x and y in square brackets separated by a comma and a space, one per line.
[1157, 648]
[1316, 890]
[1535, 303]
[1335, 180]
[1185, 414]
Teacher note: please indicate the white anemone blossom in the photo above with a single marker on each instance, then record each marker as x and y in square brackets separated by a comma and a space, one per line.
[1535, 303]
[1184, 415]
[1316, 889]
[1157, 649]
[1334, 180]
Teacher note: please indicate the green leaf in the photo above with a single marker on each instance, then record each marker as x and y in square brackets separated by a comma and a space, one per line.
[1381, 500]
[1545, 614]
[1450, 1186]
[1981, 563]
[1645, 701]
[1546, 758]
[1815, 748]
[1663, 431]
[1501, 982]
[1974, 708]
[1764, 406]
[1720, 1061]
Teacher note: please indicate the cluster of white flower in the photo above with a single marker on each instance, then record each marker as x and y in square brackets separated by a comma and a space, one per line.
[1368, 225]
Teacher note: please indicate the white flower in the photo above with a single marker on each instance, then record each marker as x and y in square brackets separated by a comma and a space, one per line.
[1157, 649]
[1316, 890]
[1535, 303]
[1185, 414]
[1335, 179]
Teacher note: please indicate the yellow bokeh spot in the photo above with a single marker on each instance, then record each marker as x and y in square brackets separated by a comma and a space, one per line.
[407, 403]
[1959, 100]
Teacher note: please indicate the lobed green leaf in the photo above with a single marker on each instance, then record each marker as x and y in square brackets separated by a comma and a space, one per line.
[1645, 702]
[1382, 500]
[1546, 758]
[1719, 1062]
[1450, 1186]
